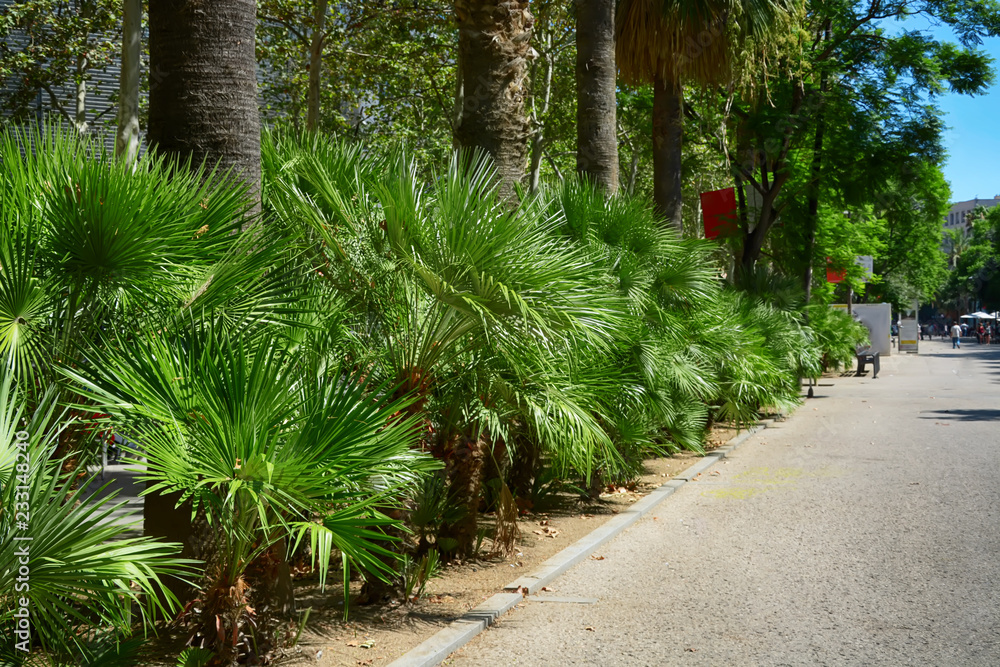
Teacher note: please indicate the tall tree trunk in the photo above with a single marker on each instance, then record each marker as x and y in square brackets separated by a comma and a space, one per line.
[316, 64]
[596, 90]
[816, 169]
[204, 107]
[127, 139]
[668, 130]
[494, 46]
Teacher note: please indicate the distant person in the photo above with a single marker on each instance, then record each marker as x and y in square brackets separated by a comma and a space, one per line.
[956, 335]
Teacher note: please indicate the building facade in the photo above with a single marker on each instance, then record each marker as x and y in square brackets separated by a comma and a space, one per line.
[957, 217]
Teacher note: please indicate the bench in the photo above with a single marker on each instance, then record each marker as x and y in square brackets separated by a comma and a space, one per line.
[865, 357]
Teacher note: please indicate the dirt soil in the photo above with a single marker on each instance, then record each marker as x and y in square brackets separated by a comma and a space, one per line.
[378, 635]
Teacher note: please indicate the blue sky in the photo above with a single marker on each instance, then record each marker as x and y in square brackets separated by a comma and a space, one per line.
[973, 140]
[973, 135]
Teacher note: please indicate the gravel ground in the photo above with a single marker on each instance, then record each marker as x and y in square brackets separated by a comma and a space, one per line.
[863, 530]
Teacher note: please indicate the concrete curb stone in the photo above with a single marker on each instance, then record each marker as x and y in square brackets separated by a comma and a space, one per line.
[462, 630]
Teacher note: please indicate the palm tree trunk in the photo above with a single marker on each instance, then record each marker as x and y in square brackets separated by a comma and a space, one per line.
[127, 139]
[204, 106]
[465, 463]
[596, 123]
[316, 64]
[494, 46]
[668, 129]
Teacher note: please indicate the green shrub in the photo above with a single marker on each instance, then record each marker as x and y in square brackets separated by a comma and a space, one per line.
[837, 335]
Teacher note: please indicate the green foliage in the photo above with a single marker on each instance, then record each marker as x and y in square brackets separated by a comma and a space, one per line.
[837, 335]
[87, 242]
[416, 574]
[388, 73]
[975, 257]
[51, 48]
[263, 447]
[84, 577]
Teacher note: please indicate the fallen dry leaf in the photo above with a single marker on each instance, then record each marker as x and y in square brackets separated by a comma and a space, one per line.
[590, 627]
[441, 599]
[548, 590]
[691, 650]
[597, 558]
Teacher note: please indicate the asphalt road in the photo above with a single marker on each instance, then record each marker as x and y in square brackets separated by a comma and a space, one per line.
[864, 530]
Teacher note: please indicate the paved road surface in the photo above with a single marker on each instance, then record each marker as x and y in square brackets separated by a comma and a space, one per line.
[865, 530]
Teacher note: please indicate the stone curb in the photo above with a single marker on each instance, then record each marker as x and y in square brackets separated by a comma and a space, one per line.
[460, 631]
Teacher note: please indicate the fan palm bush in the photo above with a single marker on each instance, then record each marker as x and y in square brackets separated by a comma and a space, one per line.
[62, 554]
[668, 283]
[268, 449]
[570, 327]
[837, 334]
[88, 244]
[468, 303]
[699, 349]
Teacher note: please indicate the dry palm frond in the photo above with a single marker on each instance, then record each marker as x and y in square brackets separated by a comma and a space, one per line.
[673, 39]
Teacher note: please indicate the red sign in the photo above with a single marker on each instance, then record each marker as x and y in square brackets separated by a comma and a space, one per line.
[834, 275]
[718, 208]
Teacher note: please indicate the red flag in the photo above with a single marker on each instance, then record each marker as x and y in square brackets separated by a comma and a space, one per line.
[834, 275]
[718, 208]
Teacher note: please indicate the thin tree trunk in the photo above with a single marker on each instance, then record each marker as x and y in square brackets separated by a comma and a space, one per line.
[316, 64]
[633, 172]
[205, 105]
[494, 46]
[754, 241]
[596, 123]
[459, 105]
[812, 217]
[668, 128]
[80, 112]
[127, 139]
[538, 136]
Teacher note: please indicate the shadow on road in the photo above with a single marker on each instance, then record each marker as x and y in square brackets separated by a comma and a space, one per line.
[983, 415]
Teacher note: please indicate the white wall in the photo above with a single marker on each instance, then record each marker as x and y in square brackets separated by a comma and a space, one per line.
[877, 317]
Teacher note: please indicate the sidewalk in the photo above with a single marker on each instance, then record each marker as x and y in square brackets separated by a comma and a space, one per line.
[864, 530]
